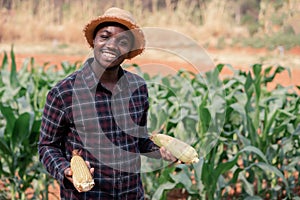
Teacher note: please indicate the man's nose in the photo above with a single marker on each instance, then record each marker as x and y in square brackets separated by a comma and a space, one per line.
[111, 43]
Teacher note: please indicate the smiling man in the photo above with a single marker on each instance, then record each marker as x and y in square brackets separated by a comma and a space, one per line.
[101, 110]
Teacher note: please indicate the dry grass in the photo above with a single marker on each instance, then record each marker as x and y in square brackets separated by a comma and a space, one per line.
[62, 23]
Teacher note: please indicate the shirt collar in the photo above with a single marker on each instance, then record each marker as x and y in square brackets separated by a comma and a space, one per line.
[92, 81]
[88, 75]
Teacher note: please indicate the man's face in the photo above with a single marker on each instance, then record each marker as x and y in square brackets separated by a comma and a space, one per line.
[111, 45]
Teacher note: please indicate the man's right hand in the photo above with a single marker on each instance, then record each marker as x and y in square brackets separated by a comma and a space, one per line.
[68, 174]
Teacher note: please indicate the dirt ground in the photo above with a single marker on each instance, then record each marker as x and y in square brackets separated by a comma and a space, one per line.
[162, 62]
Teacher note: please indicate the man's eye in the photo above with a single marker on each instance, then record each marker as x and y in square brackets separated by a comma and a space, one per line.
[103, 37]
[124, 42]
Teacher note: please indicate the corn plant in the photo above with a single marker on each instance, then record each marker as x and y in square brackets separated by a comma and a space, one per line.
[268, 121]
[247, 136]
[23, 95]
[252, 132]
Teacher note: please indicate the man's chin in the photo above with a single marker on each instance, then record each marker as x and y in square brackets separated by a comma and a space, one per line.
[112, 67]
[110, 64]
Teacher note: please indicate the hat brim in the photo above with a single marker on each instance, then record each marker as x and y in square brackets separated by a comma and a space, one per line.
[139, 38]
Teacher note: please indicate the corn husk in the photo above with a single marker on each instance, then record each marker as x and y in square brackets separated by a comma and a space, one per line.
[179, 149]
[82, 177]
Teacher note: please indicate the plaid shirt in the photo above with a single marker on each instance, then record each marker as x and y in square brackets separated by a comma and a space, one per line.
[110, 128]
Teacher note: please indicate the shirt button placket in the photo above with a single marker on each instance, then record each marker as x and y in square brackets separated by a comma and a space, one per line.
[119, 187]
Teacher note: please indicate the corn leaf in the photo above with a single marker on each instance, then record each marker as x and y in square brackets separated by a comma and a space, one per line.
[160, 190]
[21, 129]
[9, 116]
[269, 168]
[253, 198]
[253, 149]
[13, 71]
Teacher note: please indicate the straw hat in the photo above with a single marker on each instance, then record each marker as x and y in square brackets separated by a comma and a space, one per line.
[122, 17]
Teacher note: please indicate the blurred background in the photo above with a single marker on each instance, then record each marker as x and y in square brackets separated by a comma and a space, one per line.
[263, 29]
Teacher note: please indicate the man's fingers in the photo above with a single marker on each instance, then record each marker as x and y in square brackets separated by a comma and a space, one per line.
[92, 170]
[89, 166]
[68, 172]
[167, 155]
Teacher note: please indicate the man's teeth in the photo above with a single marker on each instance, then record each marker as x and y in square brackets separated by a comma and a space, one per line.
[109, 55]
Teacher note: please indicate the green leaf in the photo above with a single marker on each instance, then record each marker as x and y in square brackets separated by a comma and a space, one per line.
[248, 187]
[35, 130]
[297, 131]
[248, 85]
[225, 166]
[198, 170]
[160, 190]
[184, 179]
[267, 70]
[256, 151]
[257, 69]
[4, 148]
[24, 104]
[8, 114]
[294, 162]
[204, 116]
[180, 131]
[212, 80]
[13, 71]
[206, 172]
[266, 167]
[65, 65]
[220, 67]
[4, 62]
[235, 175]
[253, 198]
[23, 80]
[278, 70]
[166, 82]
[21, 129]
[269, 122]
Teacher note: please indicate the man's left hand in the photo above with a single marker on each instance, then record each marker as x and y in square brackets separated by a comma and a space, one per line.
[167, 155]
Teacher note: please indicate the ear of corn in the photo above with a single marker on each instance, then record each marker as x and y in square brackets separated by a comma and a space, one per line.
[178, 148]
[82, 178]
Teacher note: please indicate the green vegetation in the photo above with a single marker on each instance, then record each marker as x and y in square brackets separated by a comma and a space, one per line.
[253, 134]
[247, 136]
[23, 96]
[285, 40]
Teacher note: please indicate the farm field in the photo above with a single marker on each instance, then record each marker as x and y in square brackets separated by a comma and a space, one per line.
[155, 63]
[222, 76]
[163, 63]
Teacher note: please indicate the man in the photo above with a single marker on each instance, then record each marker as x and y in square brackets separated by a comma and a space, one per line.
[101, 110]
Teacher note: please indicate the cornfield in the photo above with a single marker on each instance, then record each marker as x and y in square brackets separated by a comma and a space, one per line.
[246, 135]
